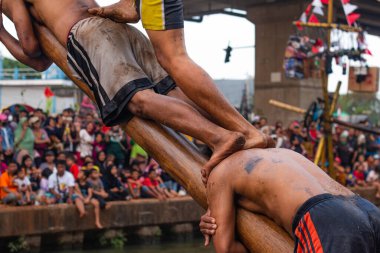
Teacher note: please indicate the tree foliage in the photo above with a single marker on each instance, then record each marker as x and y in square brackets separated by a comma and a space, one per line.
[361, 104]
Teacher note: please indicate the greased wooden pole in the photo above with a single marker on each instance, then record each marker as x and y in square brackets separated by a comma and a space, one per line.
[182, 161]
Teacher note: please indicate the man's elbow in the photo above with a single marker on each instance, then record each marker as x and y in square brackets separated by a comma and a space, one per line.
[31, 47]
[42, 66]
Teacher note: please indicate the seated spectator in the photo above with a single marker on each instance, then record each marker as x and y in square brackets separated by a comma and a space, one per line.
[97, 187]
[134, 184]
[72, 166]
[101, 162]
[56, 144]
[61, 186]
[151, 187]
[24, 188]
[3, 165]
[99, 145]
[35, 180]
[359, 174]
[86, 141]
[49, 162]
[27, 164]
[8, 190]
[116, 145]
[85, 193]
[41, 138]
[24, 138]
[113, 185]
[373, 179]
[7, 137]
[44, 196]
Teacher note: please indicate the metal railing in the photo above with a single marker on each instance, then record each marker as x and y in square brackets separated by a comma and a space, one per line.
[53, 73]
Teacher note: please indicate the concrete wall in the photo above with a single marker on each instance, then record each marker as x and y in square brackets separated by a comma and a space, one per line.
[18, 221]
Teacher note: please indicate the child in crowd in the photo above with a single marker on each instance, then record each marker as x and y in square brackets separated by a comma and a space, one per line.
[113, 185]
[373, 179]
[99, 145]
[359, 174]
[24, 188]
[72, 166]
[35, 180]
[85, 193]
[44, 195]
[97, 187]
[151, 187]
[27, 164]
[134, 184]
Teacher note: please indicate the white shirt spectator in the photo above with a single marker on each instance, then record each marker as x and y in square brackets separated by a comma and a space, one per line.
[61, 184]
[86, 143]
[372, 176]
[22, 182]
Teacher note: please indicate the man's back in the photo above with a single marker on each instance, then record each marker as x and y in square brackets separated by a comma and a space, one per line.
[274, 182]
[60, 15]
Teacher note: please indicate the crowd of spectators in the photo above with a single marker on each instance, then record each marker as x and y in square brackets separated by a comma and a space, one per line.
[72, 158]
[356, 153]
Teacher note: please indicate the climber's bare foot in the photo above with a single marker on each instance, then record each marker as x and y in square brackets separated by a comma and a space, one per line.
[98, 225]
[259, 140]
[121, 12]
[229, 145]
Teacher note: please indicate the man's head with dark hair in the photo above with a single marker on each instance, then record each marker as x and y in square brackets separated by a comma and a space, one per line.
[21, 173]
[61, 167]
[70, 159]
[49, 156]
[13, 167]
[93, 174]
[61, 156]
[152, 174]
[46, 173]
[135, 174]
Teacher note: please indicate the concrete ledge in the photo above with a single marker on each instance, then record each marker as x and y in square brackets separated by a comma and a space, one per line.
[38, 220]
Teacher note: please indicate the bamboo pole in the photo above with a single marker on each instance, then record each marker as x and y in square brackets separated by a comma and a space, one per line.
[183, 162]
[325, 84]
[287, 106]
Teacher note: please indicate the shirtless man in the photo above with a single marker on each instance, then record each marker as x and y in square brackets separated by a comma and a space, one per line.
[163, 21]
[118, 64]
[320, 214]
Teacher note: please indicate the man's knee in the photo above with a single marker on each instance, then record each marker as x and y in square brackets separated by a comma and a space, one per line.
[139, 104]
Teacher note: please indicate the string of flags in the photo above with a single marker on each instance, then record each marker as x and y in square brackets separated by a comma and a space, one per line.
[317, 8]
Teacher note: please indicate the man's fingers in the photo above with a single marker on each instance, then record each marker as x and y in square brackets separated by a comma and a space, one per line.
[207, 240]
[208, 219]
[208, 232]
[204, 225]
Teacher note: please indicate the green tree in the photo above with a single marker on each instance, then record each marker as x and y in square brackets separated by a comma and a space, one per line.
[361, 103]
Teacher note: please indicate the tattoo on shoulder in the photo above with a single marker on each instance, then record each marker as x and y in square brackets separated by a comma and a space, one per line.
[252, 163]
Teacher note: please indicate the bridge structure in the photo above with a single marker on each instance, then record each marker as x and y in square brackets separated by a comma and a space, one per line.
[273, 22]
